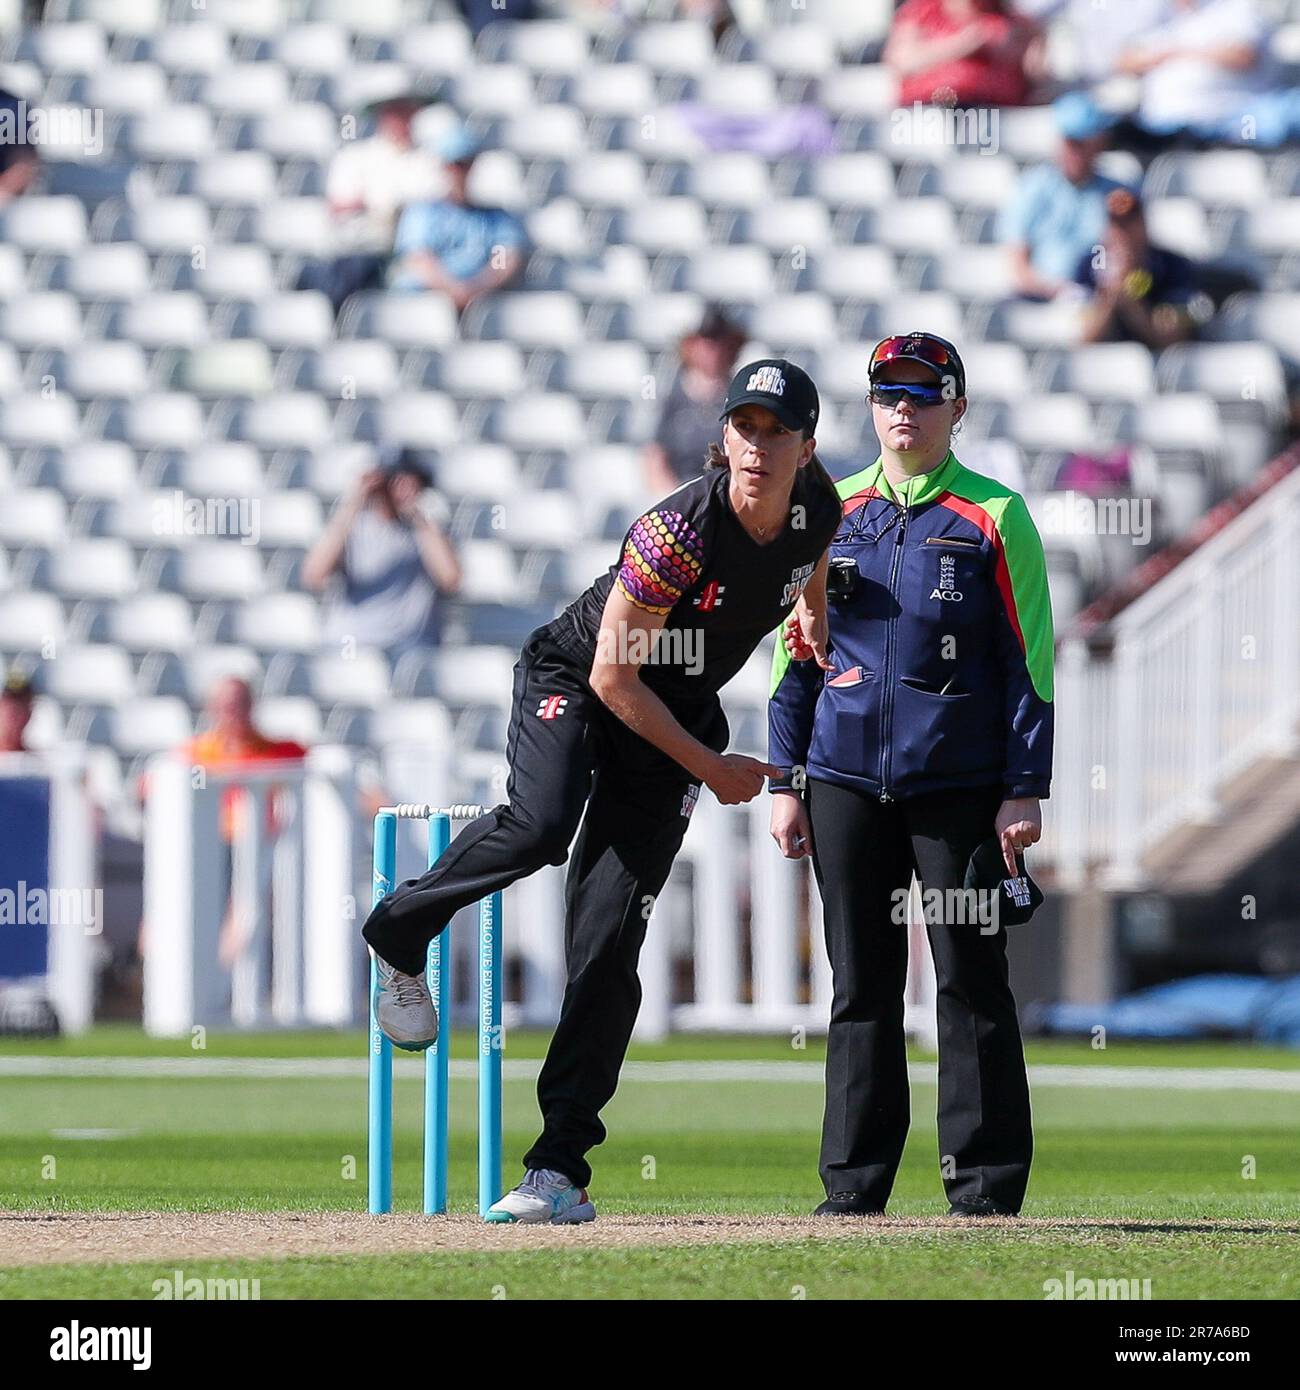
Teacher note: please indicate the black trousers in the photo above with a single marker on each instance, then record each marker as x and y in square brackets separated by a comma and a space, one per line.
[567, 753]
[864, 852]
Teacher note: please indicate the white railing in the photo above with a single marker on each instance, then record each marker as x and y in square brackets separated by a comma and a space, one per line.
[1201, 679]
[284, 883]
[734, 942]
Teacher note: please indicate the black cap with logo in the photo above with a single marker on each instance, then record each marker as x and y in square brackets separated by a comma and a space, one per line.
[1018, 897]
[786, 390]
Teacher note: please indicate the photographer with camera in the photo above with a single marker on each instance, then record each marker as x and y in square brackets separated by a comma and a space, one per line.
[913, 715]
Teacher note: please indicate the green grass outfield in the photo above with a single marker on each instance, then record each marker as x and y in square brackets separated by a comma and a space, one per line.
[685, 1143]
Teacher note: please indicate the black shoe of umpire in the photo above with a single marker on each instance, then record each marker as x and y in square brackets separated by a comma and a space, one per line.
[979, 1206]
[849, 1204]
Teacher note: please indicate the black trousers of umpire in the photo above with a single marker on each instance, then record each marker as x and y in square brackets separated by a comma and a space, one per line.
[637, 804]
[864, 852]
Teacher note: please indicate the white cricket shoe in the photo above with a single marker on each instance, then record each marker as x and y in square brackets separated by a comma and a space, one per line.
[404, 1008]
[544, 1196]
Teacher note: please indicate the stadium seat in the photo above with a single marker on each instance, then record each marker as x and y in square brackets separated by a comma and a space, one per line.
[106, 369]
[70, 46]
[247, 89]
[279, 622]
[31, 622]
[213, 569]
[99, 675]
[551, 320]
[299, 319]
[864, 180]
[242, 367]
[13, 273]
[494, 369]
[119, 270]
[127, 87]
[1214, 178]
[1180, 224]
[424, 723]
[102, 568]
[1110, 371]
[98, 468]
[1188, 420]
[293, 717]
[539, 421]
[48, 319]
[794, 322]
[34, 224]
[217, 470]
[658, 225]
[197, 47]
[244, 178]
[731, 274]
[34, 421]
[297, 420]
[419, 419]
[360, 680]
[501, 89]
[170, 420]
[614, 89]
[172, 133]
[681, 46]
[171, 224]
[598, 370]
[1236, 372]
[150, 725]
[489, 573]
[151, 622]
[485, 471]
[1057, 421]
[355, 369]
[300, 226]
[613, 178]
[442, 47]
[290, 519]
[403, 320]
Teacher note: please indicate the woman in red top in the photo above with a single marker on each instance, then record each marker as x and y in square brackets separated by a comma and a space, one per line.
[962, 53]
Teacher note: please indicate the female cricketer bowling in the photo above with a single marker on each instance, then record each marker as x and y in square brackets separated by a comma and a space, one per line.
[616, 712]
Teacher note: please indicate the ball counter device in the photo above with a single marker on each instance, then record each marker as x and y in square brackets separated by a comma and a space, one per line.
[436, 1057]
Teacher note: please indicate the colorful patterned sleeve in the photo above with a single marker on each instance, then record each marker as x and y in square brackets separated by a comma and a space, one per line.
[662, 558]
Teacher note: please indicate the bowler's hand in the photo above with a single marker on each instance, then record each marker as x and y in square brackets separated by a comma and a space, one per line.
[734, 778]
[1018, 824]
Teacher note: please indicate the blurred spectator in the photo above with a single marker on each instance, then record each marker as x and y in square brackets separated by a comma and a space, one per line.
[1094, 34]
[1139, 292]
[717, 14]
[19, 160]
[480, 13]
[452, 244]
[1058, 210]
[232, 739]
[16, 700]
[1207, 71]
[392, 556]
[963, 53]
[370, 182]
[688, 421]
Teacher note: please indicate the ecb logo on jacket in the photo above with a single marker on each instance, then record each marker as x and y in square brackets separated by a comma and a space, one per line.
[947, 592]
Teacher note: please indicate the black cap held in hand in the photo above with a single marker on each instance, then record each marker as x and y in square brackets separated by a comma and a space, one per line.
[786, 390]
[1018, 898]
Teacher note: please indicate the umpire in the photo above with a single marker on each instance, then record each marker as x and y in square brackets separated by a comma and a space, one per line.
[925, 736]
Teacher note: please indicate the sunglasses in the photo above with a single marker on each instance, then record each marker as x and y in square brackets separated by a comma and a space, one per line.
[914, 345]
[919, 394]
